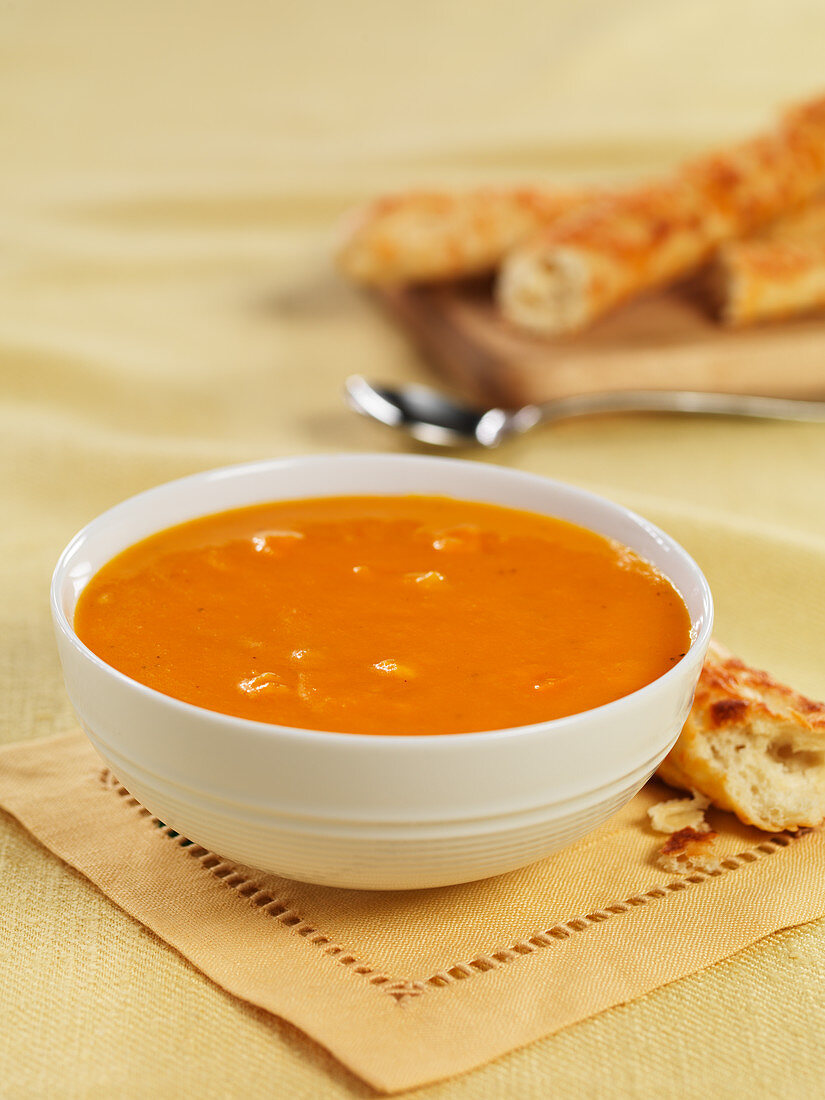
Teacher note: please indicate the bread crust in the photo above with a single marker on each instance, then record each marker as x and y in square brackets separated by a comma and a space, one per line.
[619, 246]
[434, 235]
[753, 746]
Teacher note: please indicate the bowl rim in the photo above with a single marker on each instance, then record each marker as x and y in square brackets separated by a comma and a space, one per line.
[400, 742]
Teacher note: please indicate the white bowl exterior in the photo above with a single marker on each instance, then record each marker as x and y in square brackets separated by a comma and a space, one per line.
[360, 811]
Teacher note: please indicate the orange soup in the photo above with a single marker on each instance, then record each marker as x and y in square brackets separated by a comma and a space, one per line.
[385, 615]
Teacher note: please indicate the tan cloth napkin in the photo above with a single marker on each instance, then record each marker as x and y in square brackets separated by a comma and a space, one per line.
[407, 988]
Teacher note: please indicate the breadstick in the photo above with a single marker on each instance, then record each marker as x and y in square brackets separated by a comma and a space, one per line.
[423, 236]
[778, 272]
[619, 246]
[753, 746]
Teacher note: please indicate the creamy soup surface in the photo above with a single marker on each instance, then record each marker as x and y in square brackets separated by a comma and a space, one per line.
[385, 615]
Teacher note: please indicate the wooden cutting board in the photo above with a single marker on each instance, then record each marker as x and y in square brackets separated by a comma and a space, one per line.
[664, 341]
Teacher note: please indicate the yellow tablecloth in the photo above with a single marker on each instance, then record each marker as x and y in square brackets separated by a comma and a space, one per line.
[171, 175]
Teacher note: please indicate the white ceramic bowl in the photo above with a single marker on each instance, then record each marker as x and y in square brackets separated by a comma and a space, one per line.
[364, 811]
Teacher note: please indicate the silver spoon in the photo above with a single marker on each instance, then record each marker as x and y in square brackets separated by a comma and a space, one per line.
[433, 418]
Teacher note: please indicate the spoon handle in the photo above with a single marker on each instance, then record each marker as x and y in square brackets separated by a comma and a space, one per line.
[677, 401]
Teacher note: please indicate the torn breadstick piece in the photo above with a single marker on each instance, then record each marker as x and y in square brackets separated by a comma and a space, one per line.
[586, 263]
[425, 236]
[778, 272]
[752, 746]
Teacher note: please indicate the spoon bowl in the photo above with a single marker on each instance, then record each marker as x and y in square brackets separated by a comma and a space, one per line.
[422, 412]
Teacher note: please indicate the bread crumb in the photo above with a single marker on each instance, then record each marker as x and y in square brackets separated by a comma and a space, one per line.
[689, 850]
[676, 814]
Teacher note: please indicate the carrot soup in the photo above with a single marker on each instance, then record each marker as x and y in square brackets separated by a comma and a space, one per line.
[385, 615]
